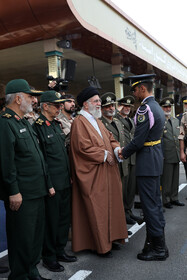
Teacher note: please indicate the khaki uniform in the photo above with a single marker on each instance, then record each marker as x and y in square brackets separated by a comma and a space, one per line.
[171, 151]
[183, 132]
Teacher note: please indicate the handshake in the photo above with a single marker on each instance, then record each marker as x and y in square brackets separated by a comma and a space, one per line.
[110, 158]
[120, 153]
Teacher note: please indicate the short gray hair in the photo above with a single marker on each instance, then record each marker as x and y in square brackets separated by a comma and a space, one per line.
[9, 98]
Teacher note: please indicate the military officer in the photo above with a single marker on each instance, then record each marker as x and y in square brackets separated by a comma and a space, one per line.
[149, 121]
[114, 125]
[23, 183]
[170, 176]
[126, 105]
[58, 213]
[183, 131]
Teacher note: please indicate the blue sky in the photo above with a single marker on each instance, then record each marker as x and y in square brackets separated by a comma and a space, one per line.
[165, 20]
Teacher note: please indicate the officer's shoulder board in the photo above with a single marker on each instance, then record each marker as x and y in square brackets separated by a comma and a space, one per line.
[6, 115]
[39, 121]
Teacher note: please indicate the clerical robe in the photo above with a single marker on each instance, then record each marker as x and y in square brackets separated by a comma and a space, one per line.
[98, 216]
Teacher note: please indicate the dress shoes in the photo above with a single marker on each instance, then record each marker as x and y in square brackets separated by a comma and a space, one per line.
[53, 266]
[129, 220]
[137, 219]
[168, 205]
[177, 203]
[66, 258]
[106, 255]
[4, 269]
[116, 246]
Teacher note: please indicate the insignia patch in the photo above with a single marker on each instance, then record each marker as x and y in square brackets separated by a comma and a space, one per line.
[141, 118]
[128, 101]
[40, 121]
[7, 115]
[47, 123]
[16, 117]
[58, 95]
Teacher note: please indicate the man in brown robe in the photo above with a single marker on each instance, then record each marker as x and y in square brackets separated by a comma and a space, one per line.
[98, 217]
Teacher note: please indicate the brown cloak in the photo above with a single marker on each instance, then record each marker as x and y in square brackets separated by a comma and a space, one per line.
[98, 216]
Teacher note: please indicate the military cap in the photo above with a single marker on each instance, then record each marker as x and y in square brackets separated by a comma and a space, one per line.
[127, 100]
[21, 85]
[86, 94]
[108, 98]
[51, 96]
[166, 102]
[134, 81]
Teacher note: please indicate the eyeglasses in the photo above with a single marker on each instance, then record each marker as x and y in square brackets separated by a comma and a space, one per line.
[58, 106]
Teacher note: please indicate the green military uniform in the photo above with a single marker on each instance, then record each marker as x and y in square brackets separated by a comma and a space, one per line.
[58, 207]
[130, 179]
[171, 151]
[22, 171]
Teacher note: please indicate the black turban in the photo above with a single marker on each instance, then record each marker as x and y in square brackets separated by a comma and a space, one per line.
[85, 94]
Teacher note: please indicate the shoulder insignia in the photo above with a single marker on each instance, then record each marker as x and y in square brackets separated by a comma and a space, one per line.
[6, 115]
[39, 121]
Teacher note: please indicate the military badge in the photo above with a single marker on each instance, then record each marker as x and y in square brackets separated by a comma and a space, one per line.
[108, 99]
[16, 117]
[58, 95]
[128, 101]
[141, 118]
[8, 116]
[39, 121]
[47, 123]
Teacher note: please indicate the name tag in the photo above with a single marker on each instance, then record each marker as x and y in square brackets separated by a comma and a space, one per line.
[23, 130]
[50, 135]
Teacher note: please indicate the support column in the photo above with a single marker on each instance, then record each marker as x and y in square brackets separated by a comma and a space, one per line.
[117, 74]
[171, 92]
[54, 55]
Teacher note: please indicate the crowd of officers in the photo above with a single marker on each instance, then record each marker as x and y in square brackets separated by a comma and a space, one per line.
[35, 171]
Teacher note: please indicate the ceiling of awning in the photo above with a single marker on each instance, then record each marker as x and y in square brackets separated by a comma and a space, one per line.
[23, 22]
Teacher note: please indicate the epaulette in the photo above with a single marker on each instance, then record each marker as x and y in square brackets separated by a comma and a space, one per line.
[115, 119]
[39, 121]
[6, 115]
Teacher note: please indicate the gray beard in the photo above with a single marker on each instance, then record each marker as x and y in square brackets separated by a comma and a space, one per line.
[25, 108]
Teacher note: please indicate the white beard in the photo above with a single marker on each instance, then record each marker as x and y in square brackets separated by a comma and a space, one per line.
[94, 111]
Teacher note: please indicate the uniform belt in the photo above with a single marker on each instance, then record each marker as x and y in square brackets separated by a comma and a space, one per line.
[152, 143]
